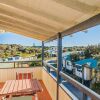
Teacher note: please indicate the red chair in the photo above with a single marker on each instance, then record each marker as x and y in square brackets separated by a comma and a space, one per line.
[19, 76]
[29, 75]
[24, 75]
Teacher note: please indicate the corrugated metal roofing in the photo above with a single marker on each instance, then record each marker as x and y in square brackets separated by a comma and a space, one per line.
[42, 19]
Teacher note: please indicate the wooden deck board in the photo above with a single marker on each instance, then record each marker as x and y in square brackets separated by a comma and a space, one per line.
[44, 95]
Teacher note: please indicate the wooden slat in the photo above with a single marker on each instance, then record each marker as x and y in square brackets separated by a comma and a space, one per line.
[41, 96]
[1, 92]
[24, 84]
[16, 86]
[12, 86]
[35, 85]
[28, 84]
[33, 88]
[7, 87]
[39, 86]
[20, 85]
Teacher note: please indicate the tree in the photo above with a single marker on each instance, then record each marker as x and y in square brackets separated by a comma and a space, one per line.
[88, 53]
[74, 57]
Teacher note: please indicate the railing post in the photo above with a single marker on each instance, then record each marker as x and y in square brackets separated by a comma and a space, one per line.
[48, 69]
[21, 64]
[18, 64]
[14, 64]
[59, 64]
[84, 95]
[42, 52]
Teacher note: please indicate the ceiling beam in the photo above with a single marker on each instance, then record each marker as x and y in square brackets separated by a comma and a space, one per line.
[25, 26]
[91, 22]
[78, 6]
[28, 9]
[21, 32]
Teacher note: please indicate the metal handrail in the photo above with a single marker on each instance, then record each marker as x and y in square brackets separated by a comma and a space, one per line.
[75, 83]
[20, 61]
[50, 66]
[81, 87]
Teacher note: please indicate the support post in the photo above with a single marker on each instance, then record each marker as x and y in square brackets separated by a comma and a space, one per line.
[84, 95]
[14, 64]
[42, 52]
[59, 63]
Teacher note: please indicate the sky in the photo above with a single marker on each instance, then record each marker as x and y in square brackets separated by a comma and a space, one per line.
[92, 37]
[77, 39]
[12, 38]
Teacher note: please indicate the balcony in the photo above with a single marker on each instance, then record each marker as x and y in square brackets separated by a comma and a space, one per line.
[68, 89]
[46, 21]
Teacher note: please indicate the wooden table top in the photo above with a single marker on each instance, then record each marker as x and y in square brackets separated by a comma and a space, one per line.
[21, 86]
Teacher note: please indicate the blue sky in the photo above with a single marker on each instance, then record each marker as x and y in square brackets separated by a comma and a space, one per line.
[12, 38]
[84, 39]
[77, 39]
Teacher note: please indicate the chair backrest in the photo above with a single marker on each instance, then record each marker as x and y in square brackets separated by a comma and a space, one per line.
[30, 75]
[24, 75]
[20, 76]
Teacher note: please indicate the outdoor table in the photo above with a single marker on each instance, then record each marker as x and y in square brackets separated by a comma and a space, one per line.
[21, 87]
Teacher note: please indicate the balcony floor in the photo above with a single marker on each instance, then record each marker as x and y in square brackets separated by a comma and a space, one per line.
[41, 96]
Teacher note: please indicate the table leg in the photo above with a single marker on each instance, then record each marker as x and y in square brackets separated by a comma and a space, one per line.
[36, 96]
[9, 98]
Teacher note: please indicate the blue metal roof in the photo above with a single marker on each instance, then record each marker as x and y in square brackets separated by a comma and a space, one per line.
[93, 62]
[67, 57]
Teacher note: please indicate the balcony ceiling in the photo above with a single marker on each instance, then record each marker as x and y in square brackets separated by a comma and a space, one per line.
[42, 19]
